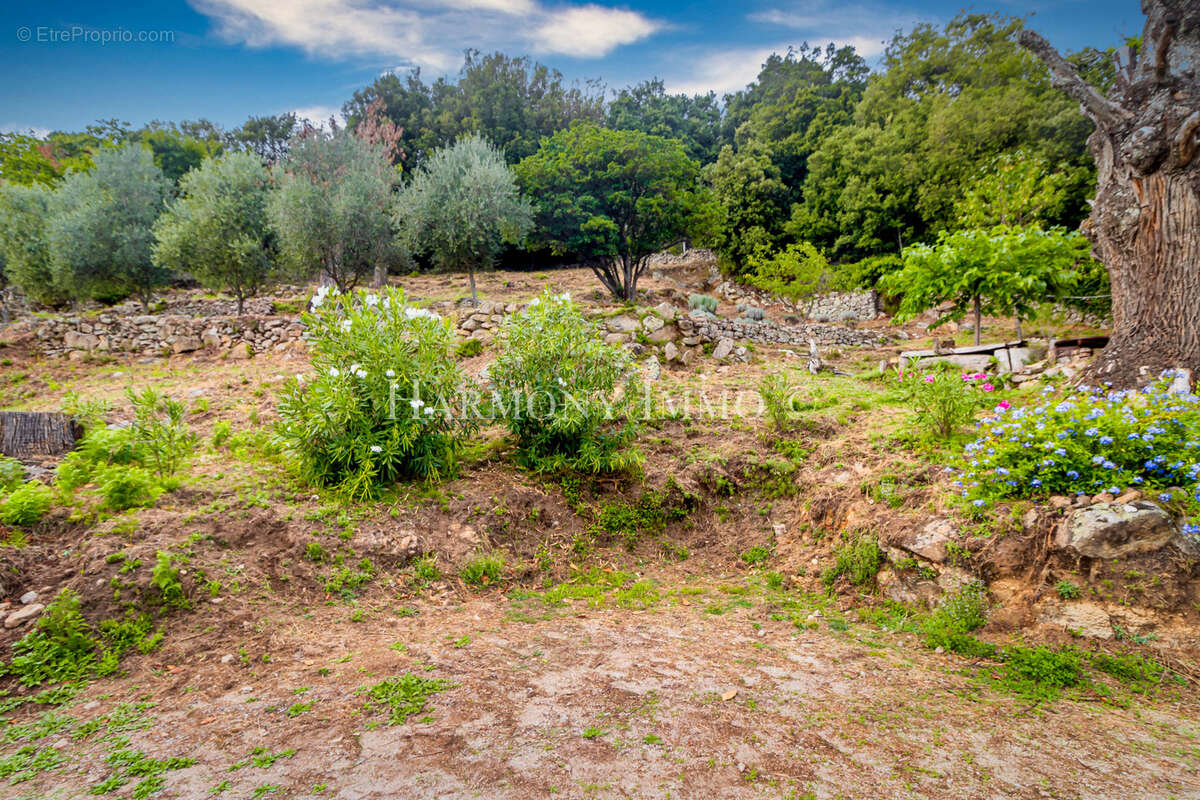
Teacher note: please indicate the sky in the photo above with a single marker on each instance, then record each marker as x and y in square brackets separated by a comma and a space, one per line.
[66, 64]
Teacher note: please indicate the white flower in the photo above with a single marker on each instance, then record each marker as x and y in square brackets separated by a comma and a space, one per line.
[416, 403]
[376, 448]
[534, 302]
[362, 373]
[565, 296]
[317, 300]
[391, 373]
[428, 410]
[372, 300]
[345, 324]
[333, 372]
[355, 367]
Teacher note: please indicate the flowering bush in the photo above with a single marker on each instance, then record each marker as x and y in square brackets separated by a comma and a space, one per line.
[569, 399]
[1090, 441]
[942, 400]
[384, 401]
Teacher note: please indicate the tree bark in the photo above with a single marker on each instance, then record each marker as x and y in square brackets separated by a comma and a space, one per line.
[1145, 221]
[978, 321]
[36, 433]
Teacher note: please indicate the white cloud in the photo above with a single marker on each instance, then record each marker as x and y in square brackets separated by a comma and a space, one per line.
[591, 31]
[723, 71]
[866, 25]
[427, 33]
[29, 130]
[319, 115]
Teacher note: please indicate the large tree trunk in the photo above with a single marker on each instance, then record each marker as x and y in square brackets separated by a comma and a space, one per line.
[1145, 222]
[36, 433]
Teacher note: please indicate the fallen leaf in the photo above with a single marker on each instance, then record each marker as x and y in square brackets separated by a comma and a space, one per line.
[732, 693]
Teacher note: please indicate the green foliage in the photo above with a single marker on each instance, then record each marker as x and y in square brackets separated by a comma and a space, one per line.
[217, 230]
[383, 401]
[462, 206]
[331, 208]
[959, 615]
[703, 302]
[24, 246]
[569, 399]
[942, 400]
[27, 504]
[858, 558]
[165, 578]
[1067, 590]
[798, 271]
[648, 515]
[159, 430]
[754, 199]
[1002, 272]
[756, 556]
[123, 487]
[99, 228]
[1014, 190]
[404, 696]
[778, 395]
[26, 762]
[346, 581]
[695, 121]
[1089, 441]
[1040, 673]
[59, 649]
[483, 570]
[613, 198]
[12, 473]
[468, 348]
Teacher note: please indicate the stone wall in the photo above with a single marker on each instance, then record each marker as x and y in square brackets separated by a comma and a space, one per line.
[712, 329]
[831, 307]
[154, 335]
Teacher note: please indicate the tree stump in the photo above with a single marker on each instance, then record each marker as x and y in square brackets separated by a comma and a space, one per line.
[37, 433]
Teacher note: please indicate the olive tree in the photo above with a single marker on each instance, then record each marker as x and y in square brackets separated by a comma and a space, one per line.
[331, 207]
[24, 211]
[217, 230]
[462, 206]
[100, 226]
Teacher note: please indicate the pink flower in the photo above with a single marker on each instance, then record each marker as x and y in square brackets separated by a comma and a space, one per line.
[929, 379]
[1003, 405]
[987, 387]
[980, 376]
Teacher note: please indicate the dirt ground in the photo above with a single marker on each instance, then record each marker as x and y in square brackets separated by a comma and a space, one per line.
[693, 674]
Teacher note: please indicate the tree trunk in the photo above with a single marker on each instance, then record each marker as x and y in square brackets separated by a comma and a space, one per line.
[36, 433]
[380, 276]
[1145, 222]
[978, 321]
[474, 296]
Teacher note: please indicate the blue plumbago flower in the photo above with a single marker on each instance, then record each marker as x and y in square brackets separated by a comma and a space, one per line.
[1091, 432]
[1133, 436]
[1109, 465]
[1106, 440]
[1001, 471]
[1035, 482]
[1113, 490]
[1072, 474]
[979, 503]
[1058, 451]
[1097, 459]
[1137, 479]
[1165, 497]
[1191, 529]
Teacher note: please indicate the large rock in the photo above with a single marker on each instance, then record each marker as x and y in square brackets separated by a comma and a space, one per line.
[723, 349]
[616, 338]
[187, 344]
[667, 333]
[665, 310]
[651, 323]
[241, 351]
[930, 541]
[23, 615]
[671, 352]
[1114, 530]
[622, 324]
[653, 370]
[1085, 619]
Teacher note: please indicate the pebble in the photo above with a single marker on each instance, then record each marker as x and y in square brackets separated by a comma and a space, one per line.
[227, 658]
[23, 615]
[29, 597]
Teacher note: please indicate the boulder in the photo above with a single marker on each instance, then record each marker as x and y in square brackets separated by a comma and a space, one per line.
[723, 349]
[187, 344]
[665, 310]
[930, 541]
[622, 324]
[651, 323]
[1085, 619]
[23, 615]
[241, 352]
[671, 352]
[616, 338]
[1115, 530]
[667, 333]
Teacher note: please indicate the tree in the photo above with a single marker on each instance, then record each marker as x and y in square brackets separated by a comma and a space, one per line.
[613, 198]
[331, 208]
[100, 224]
[1016, 188]
[695, 120]
[217, 230]
[462, 206]
[1145, 221]
[1002, 272]
[267, 136]
[24, 211]
[797, 272]
[754, 199]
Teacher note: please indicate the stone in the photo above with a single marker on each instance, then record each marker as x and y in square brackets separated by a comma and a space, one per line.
[652, 323]
[1060, 501]
[469, 325]
[667, 333]
[622, 324]
[29, 597]
[953, 579]
[671, 352]
[187, 344]
[23, 615]
[211, 338]
[724, 349]
[1115, 530]
[241, 352]
[930, 541]
[1128, 496]
[687, 356]
[616, 338]
[653, 370]
[1085, 619]
[665, 311]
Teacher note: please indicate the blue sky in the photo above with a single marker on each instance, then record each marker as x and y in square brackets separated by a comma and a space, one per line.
[227, 59]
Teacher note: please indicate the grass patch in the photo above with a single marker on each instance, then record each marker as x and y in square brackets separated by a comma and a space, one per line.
[403, 696]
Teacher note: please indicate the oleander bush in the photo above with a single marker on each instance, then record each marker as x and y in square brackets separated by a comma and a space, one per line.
[942, 399]
[570, 400]
[385, 399]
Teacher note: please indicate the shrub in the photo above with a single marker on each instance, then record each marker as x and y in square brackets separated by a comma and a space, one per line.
[942, 400]
[1067, 590]
[703, 302]
[12, 473]
[384, 400]
[569, 399]
[26, 505]
[960, 614]
[165, 578]
[125, 487]
[468, 348]
[1089, 441]
[858, 558]
[483, 570]
[159, 430]
[778, 396]
[60, 648]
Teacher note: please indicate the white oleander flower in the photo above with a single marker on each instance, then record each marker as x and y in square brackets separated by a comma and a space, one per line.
[333, 372]
[416, 403]
[391, 373]
[362, 373]
[371, 300]
[376, 448]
